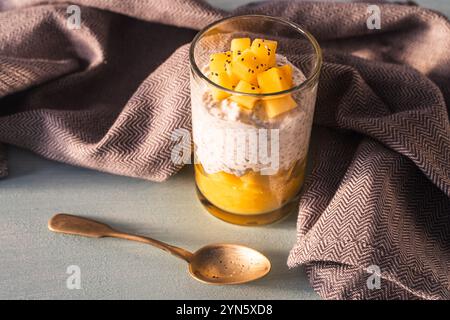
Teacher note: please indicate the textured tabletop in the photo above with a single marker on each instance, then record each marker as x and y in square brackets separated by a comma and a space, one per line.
[34, 261]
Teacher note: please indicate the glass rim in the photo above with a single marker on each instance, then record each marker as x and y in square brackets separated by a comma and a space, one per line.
[305, 84]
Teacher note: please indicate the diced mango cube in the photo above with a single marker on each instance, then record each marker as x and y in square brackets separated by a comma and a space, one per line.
[261, 67]
[276, 106]
[244, 66]
[233, 78]
[226, 67]
[224, 80]
[287, 71]
[220, 62]
[265, 50]
[238, 46]
[273, 80]
[245, 101]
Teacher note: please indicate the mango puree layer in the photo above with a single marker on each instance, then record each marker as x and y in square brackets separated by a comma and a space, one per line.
[251, 193]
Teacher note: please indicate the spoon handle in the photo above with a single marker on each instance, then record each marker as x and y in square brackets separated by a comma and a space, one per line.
[70, 224]
[176, 251]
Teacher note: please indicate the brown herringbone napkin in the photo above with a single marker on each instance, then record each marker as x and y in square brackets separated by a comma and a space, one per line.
[108, 96]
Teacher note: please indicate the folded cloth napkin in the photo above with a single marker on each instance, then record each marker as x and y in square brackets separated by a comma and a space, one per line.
[374, 218]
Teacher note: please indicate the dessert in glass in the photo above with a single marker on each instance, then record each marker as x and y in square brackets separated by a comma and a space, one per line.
[253, 90]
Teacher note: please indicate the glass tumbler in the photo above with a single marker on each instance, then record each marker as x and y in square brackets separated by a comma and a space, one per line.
[252, 120]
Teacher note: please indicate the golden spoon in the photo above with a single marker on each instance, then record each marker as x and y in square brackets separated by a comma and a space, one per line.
[212, 264]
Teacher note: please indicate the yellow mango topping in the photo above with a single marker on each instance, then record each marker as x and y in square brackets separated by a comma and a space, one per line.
[244, 66]
[276, 80]
[273, 80]
[250, 67]
[220, 62]
[265, 50]
[245, 101]
[276, 106]
[224, 80]
[287, 71]
[238, 46]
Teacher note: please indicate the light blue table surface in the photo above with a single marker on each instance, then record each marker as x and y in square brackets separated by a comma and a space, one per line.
[33, 261]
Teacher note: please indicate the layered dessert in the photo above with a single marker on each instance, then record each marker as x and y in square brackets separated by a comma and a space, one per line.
[251, 132]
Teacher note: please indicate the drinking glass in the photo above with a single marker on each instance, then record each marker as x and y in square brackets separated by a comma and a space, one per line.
[250, 164]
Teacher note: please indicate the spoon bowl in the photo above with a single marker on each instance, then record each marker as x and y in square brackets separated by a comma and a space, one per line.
[228, 264]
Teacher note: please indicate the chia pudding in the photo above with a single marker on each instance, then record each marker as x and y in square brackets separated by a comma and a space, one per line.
[214, 121]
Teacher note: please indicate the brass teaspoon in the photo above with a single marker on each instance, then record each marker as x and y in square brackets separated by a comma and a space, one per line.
[212, 264]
